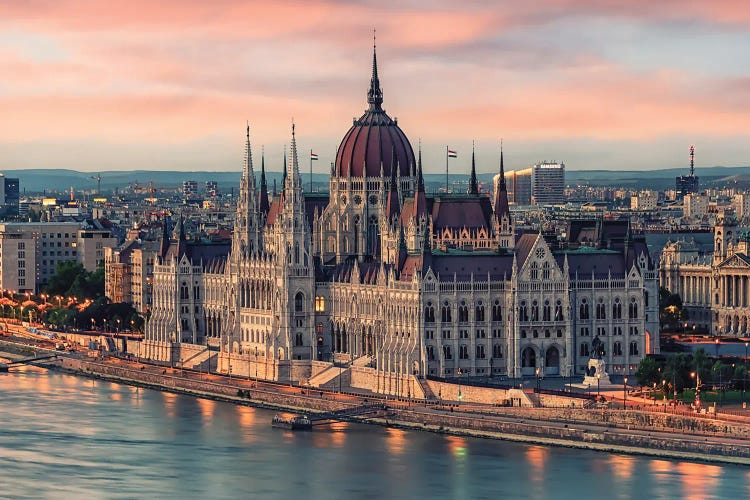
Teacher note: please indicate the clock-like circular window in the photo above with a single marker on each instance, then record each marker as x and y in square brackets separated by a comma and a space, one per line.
[540, 253]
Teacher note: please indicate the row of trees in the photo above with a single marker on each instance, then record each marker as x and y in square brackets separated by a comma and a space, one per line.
[73, 298]
[681, 371]
[71, 279]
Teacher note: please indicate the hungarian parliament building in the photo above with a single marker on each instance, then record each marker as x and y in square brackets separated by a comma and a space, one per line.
[380, 284]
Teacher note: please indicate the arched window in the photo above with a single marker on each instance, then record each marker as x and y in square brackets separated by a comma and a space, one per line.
[463, 313]
[299, 302]
[463, 351]
[479, 312]
[298, 340]
[445, 313]
[617, 309]
[497, 351]
[545, 271]
[497, 311]
[535, 311]
[634, 348]
[534, 271]
[558, 311]
[584, 349]
[546, 311]
[601, 311]
[584, 310]
[447, 354]
[320, 303]
[523, 313]
[633, 309]
[429, 313]
[480, 351]
[617, 349]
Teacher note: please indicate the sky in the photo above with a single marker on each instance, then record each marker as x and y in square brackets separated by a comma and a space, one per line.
[169, 85]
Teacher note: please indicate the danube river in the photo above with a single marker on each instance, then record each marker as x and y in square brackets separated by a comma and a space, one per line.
[67, 437]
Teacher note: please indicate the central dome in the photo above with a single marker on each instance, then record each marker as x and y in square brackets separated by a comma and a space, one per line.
[374, 140]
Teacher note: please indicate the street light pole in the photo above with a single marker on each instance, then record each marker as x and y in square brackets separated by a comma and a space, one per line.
[625, 393]
[744, 378]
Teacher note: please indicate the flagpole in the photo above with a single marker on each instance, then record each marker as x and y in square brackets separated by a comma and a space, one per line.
[446, 169]
[311, 153]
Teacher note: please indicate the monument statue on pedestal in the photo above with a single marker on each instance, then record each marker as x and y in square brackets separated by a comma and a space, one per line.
[596, 373]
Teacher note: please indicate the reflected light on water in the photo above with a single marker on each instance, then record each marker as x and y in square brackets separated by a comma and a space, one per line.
[338, 433]
[698, 480]
[395, 440]
[537, 456]
[661, 466]
[207, 407]
[457, 446]
[622, 466]
[170, 400]
[247, 421]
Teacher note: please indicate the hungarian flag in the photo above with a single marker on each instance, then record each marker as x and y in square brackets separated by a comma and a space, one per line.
[313, 156]
[452, 154]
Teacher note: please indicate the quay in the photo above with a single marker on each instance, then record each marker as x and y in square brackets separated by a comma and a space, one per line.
[642, 432]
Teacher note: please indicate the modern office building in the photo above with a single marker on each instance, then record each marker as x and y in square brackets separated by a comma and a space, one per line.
[548, 183]
[9, 196]
[31, 251]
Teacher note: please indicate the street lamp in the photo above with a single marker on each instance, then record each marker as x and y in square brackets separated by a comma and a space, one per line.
[625, 393]
[537, 380]
[697, 376]
[460, 396]
[717, 348]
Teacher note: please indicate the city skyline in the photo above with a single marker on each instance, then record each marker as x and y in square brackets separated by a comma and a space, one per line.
[598, 86]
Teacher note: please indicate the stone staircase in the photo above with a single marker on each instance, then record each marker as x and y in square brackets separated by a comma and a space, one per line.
[198, 361]
[426, 390]
[328, 377]
[362, 361]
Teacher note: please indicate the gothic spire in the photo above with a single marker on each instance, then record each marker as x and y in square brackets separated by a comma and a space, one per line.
[263, 204]
[374, 94]
[420, 201]
[247, 171]
[473, 186]
[501, 193]
[502, 169]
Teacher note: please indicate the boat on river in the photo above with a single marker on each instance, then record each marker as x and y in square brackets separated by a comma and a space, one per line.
[296, 423]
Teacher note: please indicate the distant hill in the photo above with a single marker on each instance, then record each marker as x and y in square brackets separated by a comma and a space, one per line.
[38, 180]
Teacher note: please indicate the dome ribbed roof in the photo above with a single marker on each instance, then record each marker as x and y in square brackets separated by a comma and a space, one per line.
[374, 140]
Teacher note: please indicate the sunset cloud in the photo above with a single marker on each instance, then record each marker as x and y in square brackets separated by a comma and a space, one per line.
[180, 77]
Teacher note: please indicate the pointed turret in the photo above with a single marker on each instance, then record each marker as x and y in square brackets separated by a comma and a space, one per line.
[501, 193]
[393, 206]
[164, 243]
[420, 200]
[263, 203]
[473, 185]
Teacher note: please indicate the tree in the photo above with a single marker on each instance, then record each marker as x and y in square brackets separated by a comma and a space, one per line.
[671, 312]
[677, 371]
[72, 280]
[701, 363]
[648, 372]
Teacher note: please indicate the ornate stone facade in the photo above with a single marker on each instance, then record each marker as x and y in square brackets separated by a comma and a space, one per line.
[715, 288]
[379, 276]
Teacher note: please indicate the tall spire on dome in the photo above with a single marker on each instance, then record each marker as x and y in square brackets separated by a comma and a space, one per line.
[473, 186]
[374, 94]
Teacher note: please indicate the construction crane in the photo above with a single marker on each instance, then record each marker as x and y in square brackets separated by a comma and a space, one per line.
[98, 179]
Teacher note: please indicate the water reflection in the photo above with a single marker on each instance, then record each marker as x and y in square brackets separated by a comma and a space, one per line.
[622, 466]
[68, 437]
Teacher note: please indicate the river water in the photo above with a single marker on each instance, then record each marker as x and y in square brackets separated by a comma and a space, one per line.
[68, 437]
